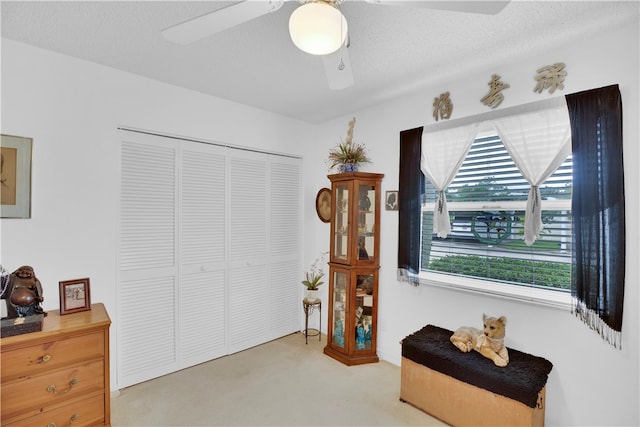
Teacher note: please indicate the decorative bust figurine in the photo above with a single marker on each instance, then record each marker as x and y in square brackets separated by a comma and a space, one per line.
[23, 293]
[365, 202]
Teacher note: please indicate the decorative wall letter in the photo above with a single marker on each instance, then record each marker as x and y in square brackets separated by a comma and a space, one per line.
[550, 77]
[494, 97]
[442, 107]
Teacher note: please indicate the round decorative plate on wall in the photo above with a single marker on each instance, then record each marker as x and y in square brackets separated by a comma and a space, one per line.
[323, 204]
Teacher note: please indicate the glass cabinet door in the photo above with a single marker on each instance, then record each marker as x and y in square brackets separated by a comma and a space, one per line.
[340, 224]
[366, 221]
[339, 307]
[364, 311]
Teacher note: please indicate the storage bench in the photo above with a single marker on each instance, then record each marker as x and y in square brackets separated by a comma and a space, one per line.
[467, 388]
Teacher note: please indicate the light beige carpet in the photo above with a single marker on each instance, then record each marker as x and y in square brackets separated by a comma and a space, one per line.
[280, 383]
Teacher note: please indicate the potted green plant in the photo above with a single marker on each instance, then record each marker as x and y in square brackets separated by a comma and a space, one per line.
[314, 277]
[348, 155]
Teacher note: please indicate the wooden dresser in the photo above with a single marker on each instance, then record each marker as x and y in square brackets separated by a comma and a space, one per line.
[60, 375]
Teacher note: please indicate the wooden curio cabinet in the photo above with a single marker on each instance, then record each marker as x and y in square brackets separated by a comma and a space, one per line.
[353, 267]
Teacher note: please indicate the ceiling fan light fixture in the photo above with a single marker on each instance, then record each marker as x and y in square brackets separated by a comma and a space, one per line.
[318, 28]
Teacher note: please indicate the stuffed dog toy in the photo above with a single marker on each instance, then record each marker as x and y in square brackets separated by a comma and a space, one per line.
[489, 342]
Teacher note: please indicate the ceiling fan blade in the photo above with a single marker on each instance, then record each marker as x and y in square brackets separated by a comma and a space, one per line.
[478, 6]
[219, 20]
[337, 66]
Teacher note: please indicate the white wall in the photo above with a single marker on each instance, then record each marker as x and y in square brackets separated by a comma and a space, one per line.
[591, 382]
[72, 108]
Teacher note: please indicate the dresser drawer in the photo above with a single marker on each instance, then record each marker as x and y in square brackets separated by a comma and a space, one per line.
[30, 360]
[52, 388]
[87, 412]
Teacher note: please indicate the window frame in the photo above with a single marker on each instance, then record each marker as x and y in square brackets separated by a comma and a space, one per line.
[548, 297]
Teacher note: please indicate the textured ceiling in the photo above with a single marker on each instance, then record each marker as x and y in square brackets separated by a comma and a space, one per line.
[393, 48]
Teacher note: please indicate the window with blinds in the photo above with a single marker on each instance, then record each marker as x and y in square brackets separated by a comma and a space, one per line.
[487, 201]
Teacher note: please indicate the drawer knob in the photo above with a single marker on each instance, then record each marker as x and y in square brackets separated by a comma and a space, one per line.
[46, 357]
[52, 387]
[51, 425]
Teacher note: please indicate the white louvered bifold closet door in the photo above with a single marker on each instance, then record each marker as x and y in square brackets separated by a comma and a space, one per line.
[148, 271]
[209, 253]
[248, 246]
[264, 248]
[202, 252]
[285, 302]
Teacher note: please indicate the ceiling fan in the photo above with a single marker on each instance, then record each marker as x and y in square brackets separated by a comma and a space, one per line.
[316, 26]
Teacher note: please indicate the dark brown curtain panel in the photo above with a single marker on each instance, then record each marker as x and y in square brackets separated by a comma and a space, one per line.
[598, 210]
[410, 189]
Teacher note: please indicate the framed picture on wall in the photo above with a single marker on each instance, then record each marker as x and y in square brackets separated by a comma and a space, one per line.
[391, 200]
[15, 167]
[323, 204]
[75, 296]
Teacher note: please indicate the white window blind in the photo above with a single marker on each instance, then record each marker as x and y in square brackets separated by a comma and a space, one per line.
[487, 201]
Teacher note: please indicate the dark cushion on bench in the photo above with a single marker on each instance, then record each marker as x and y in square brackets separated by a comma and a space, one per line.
[521, 380]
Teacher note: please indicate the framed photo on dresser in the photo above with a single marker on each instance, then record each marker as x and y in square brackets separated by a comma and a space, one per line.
[75, 296]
